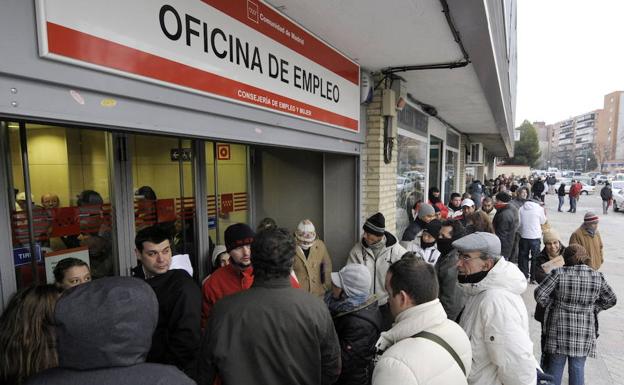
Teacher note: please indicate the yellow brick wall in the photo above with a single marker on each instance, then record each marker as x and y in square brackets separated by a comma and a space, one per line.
[378, 179]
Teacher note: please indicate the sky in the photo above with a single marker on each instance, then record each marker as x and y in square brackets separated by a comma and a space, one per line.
[570, 54]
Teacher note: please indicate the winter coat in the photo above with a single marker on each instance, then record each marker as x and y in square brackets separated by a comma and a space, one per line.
[506, 223]
[491, 214]
[496, 321]
[476, 193]
[104, 331]
[314, 271]
[593, 245]
[270, 334]
[606, 193]
[377, 265]
[178, 333]
[429, 255]
[561, 191]
[358, 330]
[532, 218]
[414, 361]
[225, 281]
[542, 258]
[538, 188]
[575, 190]
[451, 296]
[412, 232]
[571, 296]
[540, 275]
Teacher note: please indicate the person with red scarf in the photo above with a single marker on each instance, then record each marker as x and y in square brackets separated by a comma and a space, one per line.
[434, 200]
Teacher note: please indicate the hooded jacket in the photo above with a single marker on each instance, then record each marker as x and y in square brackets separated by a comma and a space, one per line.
[532, 218]
[358, 330]
[496, 321]
[103, 340]
[606, 193]
[506, 223]
[378, 266]
[413, 361]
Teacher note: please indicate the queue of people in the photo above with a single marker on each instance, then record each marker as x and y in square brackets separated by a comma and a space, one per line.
[441, 306]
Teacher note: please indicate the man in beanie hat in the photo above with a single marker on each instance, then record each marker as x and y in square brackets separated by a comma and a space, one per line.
[426, 213]
[357, 321]
[271, 333]
[313, 264]
[427, 247]
[502, 352]
[234, 277]
[377, 250]
[506, 223]
[587, 235]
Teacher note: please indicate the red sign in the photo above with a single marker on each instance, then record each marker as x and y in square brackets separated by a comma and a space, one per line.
[223, 152]
[165, 209]
[227, 203]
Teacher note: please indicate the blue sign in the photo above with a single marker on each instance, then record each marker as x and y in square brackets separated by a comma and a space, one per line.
[212, 222]
[21, 255]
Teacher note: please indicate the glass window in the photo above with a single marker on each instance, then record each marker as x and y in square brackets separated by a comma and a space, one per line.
[71, 217]
[163, 188]
[230, 203]
[411, 173]
[450, 181]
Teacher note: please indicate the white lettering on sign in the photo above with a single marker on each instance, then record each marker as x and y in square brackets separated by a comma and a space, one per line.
[241, 50]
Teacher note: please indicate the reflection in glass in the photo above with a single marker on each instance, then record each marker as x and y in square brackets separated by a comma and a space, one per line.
[450, 183]
[69, 180]
[411, 172]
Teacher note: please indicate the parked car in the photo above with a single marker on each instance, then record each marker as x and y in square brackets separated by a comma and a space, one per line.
[404, 186]
[616, 186]
[618, 200]
[602, 179]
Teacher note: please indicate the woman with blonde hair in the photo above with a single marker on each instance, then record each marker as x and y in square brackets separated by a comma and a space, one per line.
[27, 340]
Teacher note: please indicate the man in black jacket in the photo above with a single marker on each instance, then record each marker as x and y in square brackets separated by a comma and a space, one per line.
[357, 320]
[272, 333]
[506, 223]
[177, 336]
[606, 194]
[451, 296]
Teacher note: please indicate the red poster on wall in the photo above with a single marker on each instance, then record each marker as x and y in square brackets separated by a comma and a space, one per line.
[165, 210]
[227, 203]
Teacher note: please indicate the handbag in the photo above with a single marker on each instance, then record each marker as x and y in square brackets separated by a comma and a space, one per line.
[438, 340]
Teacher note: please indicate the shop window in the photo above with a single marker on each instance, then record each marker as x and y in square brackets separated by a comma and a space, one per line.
[450, 181]
[227, 198]
[163, 189]
[71, 211]
[411, 173]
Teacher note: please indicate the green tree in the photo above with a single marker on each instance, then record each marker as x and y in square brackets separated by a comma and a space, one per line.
[526, 150]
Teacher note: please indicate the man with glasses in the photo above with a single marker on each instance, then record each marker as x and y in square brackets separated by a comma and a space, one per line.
[177, 336]
[495, 317]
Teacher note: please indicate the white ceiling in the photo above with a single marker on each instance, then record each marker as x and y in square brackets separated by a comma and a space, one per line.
[380, 34]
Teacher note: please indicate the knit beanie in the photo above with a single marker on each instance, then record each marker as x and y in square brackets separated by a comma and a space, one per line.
[433, 228]
[354, 279]
[590, 217]
[305, 234]
[551, 236]
[376, 224]
[424, 210]
[503, 197]
[237, 235]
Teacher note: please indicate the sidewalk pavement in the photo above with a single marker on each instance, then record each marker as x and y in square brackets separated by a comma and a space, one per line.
[608, 366]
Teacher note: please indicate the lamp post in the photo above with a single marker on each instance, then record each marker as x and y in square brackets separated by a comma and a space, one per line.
[586, 160]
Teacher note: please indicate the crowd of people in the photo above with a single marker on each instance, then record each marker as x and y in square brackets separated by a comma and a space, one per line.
[439, 304]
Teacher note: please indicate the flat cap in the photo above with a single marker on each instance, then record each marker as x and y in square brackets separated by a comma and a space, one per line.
[485, 242]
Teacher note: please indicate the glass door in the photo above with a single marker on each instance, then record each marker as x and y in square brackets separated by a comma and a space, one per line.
[162, 173]
[60, 207]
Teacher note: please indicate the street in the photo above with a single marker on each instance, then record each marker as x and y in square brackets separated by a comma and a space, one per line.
[608, 366]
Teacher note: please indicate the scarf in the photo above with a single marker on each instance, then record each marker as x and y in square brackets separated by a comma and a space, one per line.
[472, 278]
[344, 303]
[378, 247]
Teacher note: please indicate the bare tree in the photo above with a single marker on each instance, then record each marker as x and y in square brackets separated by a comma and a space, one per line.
[602, 152]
